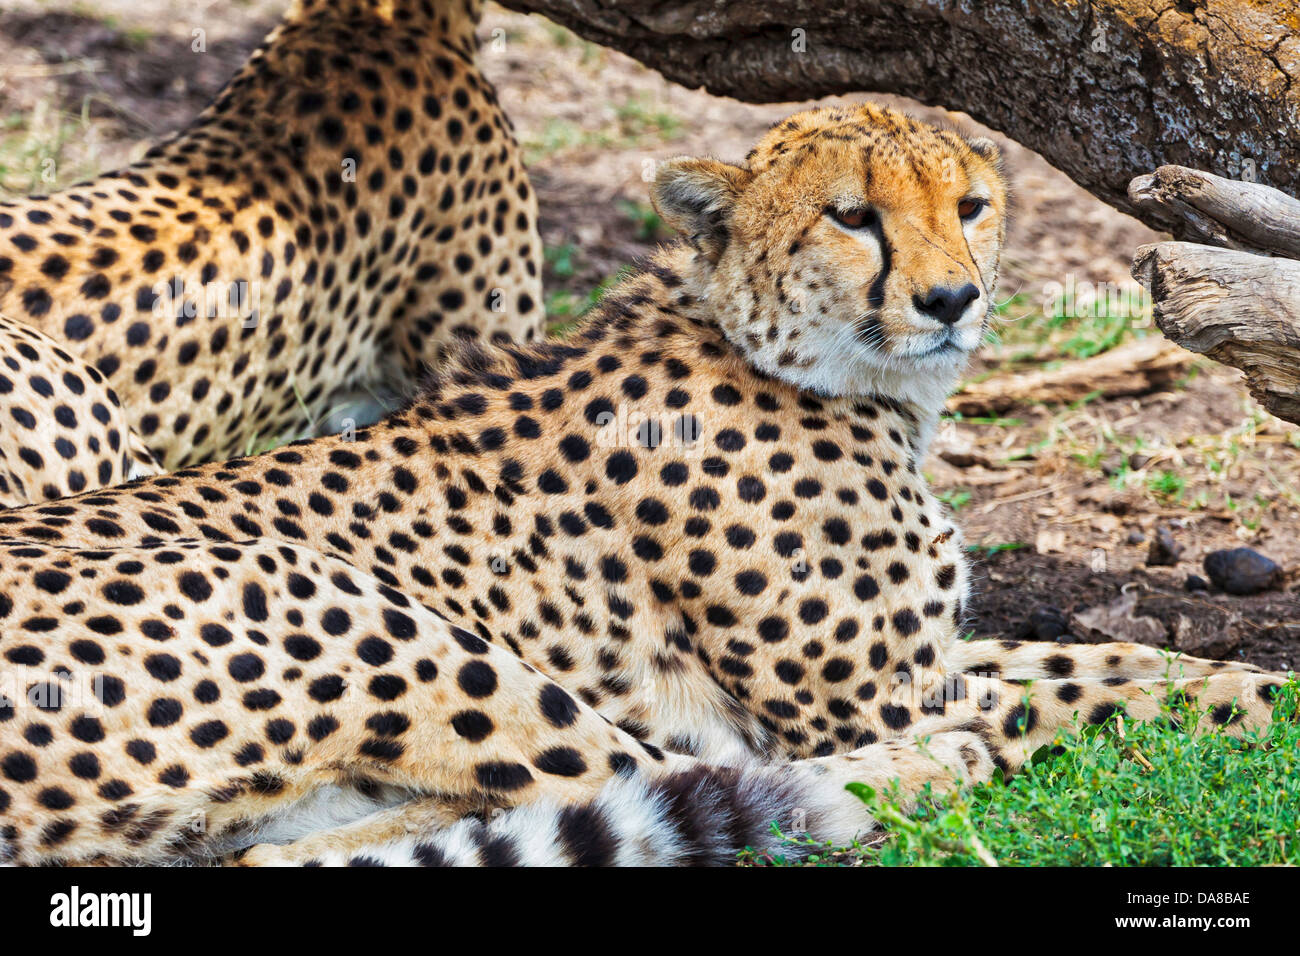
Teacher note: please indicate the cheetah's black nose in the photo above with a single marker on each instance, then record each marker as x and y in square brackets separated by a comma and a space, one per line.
[946, 305]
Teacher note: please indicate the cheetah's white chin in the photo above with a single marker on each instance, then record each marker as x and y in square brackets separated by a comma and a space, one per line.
[923, 382]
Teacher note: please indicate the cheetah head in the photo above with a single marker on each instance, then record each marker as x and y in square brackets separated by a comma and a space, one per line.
[853, 252]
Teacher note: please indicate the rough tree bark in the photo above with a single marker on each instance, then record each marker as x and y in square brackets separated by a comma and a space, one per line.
[1104, 89]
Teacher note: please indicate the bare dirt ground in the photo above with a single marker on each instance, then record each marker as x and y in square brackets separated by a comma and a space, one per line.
[1059, 503]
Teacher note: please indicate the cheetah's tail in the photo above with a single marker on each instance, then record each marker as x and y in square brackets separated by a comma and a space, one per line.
[703, 816]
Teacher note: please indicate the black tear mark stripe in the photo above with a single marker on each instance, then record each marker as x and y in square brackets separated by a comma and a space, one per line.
[876, 295]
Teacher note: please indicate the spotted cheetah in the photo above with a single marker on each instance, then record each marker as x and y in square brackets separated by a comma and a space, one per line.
[64, 429]
[644, 590]
[351, 204]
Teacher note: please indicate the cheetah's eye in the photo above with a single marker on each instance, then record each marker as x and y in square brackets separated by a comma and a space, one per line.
[970, 208]
[857, 218]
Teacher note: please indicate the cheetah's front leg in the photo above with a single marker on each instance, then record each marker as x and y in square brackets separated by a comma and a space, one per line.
[1032, 660]
[1016, 719]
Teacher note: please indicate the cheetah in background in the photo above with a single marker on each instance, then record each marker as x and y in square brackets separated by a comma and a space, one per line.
[351, 204]
[648, 589]
[62, 428]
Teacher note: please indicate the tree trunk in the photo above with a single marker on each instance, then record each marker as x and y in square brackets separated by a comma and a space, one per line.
[1104, 89]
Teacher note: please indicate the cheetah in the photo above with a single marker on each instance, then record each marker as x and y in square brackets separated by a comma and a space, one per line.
[350, 205]
[643, 591]
[77, 438]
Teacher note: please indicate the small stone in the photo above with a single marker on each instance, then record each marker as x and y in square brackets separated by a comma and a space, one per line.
[1136, 536]
[1117, 621]
[1050, 540]
[1137, 461]
[1045, 623]
[1163, 551]
[1106, 524]
[1242, 571]
[1117, 505]
[1210, 632]
[1195, 582]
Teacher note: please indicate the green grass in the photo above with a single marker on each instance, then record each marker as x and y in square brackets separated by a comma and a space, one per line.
[564, 309]
[997, 547]
[562, 39]
[634, 123]
[1091, 335]
[955, 498]
[638, 119]
[1145, 794]
[32, 150]
[562, 260]
[560, 135]
[996, 420]
[1167, 486]
[649, 227]
[1023, 329]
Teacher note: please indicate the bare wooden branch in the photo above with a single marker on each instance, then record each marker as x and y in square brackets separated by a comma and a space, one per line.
[1104, 89]
[1225, 212]
[1135, 368]
[1236, 307]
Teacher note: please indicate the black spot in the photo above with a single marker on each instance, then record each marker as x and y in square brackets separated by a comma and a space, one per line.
[18, 767]
[895, 717]
[473, 725]
[163, 667]
[246, 667]
[1069, 693]
[164, 712]
[325, 689]
[386, 687]
[1104, 712]
[559, 709]
[1019, 721]
[726, 395]
[561, 762]
[906, 623]
[502, 775]
[477, 679]
[209, 733]
[621, 467]
[321, 727]
[336, 621]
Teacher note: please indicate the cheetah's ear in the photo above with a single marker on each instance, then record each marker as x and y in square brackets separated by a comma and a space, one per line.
[987, 150]
[695, 197]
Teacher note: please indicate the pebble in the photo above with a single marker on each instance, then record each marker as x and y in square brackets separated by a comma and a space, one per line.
[1242, 571]
[1045, 623]
[1163, 551]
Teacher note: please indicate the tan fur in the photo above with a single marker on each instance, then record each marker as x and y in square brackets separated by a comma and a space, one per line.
[63, 428]
[626, 557]
[785, 269]
[356, 179]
